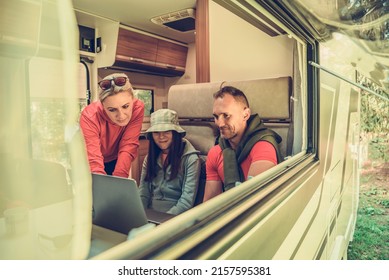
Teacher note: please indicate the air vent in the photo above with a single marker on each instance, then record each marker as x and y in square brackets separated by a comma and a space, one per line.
[182, 21]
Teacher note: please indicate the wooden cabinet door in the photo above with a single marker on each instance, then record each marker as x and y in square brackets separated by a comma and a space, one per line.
[171, 55]
[136, 47]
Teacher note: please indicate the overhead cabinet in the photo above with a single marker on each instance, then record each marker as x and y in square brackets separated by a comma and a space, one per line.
[142, 53]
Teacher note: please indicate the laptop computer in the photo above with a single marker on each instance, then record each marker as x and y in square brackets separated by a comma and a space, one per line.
[156, 217]
[116, 203]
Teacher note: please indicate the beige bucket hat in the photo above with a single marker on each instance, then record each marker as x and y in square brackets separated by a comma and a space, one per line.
[165, 120]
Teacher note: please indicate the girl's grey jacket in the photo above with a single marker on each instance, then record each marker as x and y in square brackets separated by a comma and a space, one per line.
[177, 195]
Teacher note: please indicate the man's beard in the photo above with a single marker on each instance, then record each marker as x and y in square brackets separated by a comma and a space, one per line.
[231, 135]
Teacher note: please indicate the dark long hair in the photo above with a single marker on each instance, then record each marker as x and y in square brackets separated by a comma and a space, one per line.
[173, 158]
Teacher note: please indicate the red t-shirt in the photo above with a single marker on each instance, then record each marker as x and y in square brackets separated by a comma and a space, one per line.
[106, 141]
[262, 150]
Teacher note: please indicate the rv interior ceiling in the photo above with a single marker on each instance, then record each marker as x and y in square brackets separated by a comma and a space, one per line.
[177, 25]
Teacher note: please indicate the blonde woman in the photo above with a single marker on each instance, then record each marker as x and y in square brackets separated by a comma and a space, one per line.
[111, 127]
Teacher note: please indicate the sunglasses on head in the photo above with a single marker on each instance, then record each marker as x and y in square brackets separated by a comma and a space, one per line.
[118, 81]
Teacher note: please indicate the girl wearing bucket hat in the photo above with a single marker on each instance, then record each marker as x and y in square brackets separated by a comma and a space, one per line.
[111, 127]
[171, 170]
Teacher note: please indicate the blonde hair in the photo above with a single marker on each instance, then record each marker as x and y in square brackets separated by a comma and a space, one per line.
[103, 94]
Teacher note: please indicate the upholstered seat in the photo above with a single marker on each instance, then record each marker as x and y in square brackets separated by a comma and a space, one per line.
[270, 98]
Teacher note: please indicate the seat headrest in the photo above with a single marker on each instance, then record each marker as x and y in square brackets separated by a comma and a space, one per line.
[270, 98]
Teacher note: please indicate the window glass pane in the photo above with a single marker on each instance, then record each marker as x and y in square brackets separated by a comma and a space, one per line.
[147, 96]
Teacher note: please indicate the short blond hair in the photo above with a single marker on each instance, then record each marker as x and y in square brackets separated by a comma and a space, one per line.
[103, 94]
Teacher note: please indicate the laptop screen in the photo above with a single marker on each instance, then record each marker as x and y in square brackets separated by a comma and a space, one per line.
[116, 203]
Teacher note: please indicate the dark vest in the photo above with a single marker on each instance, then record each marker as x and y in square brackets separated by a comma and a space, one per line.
[256, 131]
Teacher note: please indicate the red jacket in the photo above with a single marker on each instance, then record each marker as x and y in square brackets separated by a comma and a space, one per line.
[106, 141]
